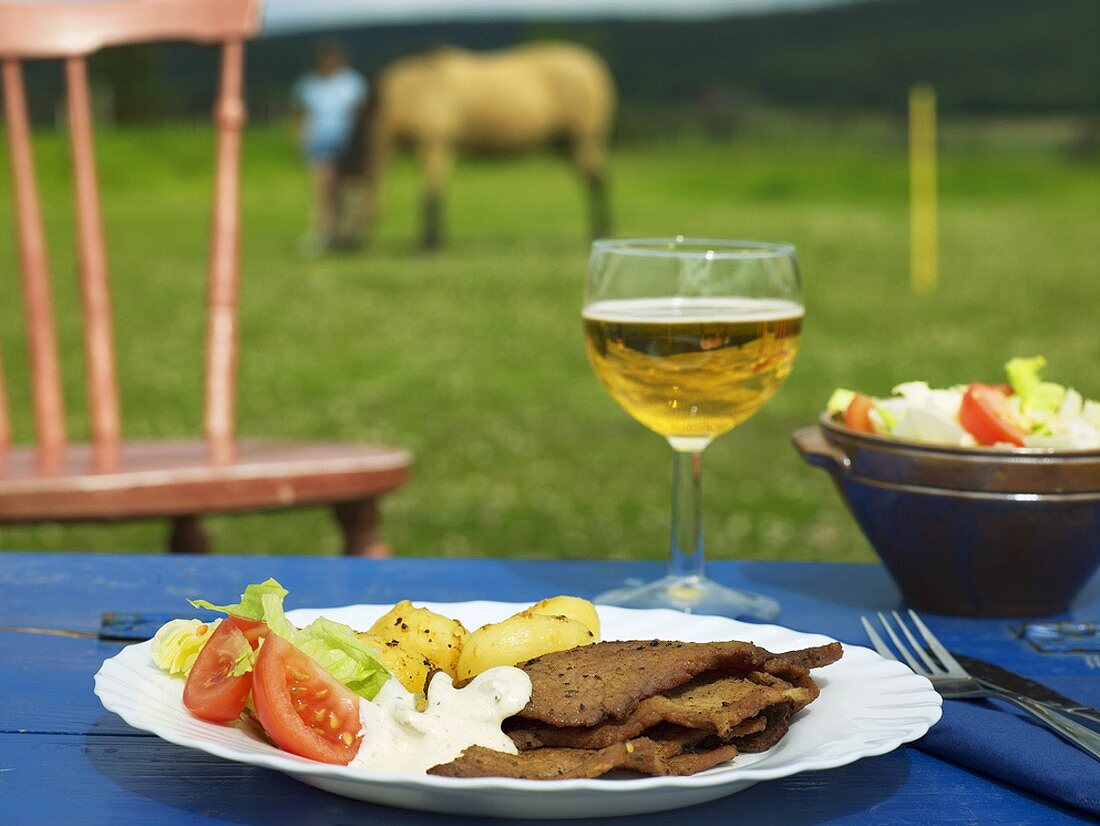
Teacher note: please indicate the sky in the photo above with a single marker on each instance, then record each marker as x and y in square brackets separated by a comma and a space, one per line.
[284, 16]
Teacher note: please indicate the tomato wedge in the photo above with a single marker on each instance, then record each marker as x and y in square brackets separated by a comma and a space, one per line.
[858, 414]
[212, 691]
[253, 630]
[302, 707]
[987, 416]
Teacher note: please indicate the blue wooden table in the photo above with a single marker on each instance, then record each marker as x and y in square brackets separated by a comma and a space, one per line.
[63, 759]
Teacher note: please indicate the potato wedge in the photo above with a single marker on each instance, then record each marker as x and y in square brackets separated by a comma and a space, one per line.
[409, 667]
[432, 635]
[517, 639]
[574, 608]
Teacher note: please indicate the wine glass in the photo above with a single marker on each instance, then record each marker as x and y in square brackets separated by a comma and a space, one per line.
[691, 336]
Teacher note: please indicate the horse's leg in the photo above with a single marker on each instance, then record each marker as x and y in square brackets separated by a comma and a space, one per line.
[378, 149]
[590, 156]
[380, 152]
[350, 223]
[599, 210]
[436, 157]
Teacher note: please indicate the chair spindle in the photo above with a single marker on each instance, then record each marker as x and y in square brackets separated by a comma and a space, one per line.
[94, 291]
[5, 421]
[49, 410]
[221, 341]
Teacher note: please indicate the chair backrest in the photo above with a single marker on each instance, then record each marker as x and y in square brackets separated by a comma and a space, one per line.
[70, 31]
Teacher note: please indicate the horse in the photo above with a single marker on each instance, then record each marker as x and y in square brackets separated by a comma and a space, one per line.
[450, 101]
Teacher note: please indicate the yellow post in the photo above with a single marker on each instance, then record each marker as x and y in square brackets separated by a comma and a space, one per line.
[923, 254]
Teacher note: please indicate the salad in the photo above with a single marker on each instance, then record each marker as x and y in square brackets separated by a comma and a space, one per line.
[303, 686]
[1025, 411]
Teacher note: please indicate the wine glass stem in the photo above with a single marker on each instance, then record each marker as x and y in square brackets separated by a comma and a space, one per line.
[686, 551]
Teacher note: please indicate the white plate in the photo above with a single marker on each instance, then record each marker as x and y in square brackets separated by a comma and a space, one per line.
[868, 706]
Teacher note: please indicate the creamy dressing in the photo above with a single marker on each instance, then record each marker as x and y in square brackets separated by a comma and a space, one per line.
[398, 738]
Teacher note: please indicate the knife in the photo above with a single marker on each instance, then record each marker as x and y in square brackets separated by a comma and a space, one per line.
[999, 677]
[119, 626]
[114, 627]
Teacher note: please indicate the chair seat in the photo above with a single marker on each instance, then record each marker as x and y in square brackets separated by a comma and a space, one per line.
[175, 478]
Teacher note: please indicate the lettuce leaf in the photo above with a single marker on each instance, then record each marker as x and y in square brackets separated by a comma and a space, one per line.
[886, 416]
[1091, 413]
[925, 424]
[251, 605]
[1026, 377]
[839, 401]
[1025, 374]
[1047, 396]
[244, 662]
[177, 643]
[332, 645]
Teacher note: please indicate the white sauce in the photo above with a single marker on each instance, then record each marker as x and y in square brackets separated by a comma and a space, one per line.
[398, 738]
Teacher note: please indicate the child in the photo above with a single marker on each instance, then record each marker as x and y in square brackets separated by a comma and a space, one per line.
[328, 103]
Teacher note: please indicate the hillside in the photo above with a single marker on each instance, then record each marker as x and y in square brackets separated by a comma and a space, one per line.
[983, 56]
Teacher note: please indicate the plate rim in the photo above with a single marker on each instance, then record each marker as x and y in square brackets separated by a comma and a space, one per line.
[930, 712]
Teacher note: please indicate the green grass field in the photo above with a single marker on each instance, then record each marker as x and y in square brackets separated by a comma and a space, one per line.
[472, 357]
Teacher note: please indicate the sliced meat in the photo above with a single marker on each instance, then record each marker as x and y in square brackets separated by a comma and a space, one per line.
[799, 692]
[606, 681]
[690, 739]
[723, 705]
[816, 657]
[696, 762]
[641, 755]
[652, 707]
[778, 722]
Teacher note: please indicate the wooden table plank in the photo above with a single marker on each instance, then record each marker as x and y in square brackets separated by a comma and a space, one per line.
[48, 686]
[71, 590]
[144, 780]
[91, 761]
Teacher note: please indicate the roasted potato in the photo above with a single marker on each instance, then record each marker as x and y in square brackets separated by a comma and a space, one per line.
[517, 639]
[409, 667]
[434, 636]
[574, 608]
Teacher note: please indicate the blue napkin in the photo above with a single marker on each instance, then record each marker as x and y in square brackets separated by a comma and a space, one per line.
[998, 740]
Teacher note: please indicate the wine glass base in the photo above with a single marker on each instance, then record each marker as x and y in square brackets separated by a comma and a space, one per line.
[693, 595]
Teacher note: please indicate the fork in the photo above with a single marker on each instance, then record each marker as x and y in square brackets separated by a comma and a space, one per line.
[953, 682]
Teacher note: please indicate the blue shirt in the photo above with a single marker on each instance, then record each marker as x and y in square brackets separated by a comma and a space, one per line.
[330, 105]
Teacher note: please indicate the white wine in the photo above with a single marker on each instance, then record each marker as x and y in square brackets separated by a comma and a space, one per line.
[691, 369]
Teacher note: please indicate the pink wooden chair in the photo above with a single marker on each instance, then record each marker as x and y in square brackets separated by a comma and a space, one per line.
[112, 479]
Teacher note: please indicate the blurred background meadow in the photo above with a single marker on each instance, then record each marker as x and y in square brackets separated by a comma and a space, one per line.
[779, 124]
